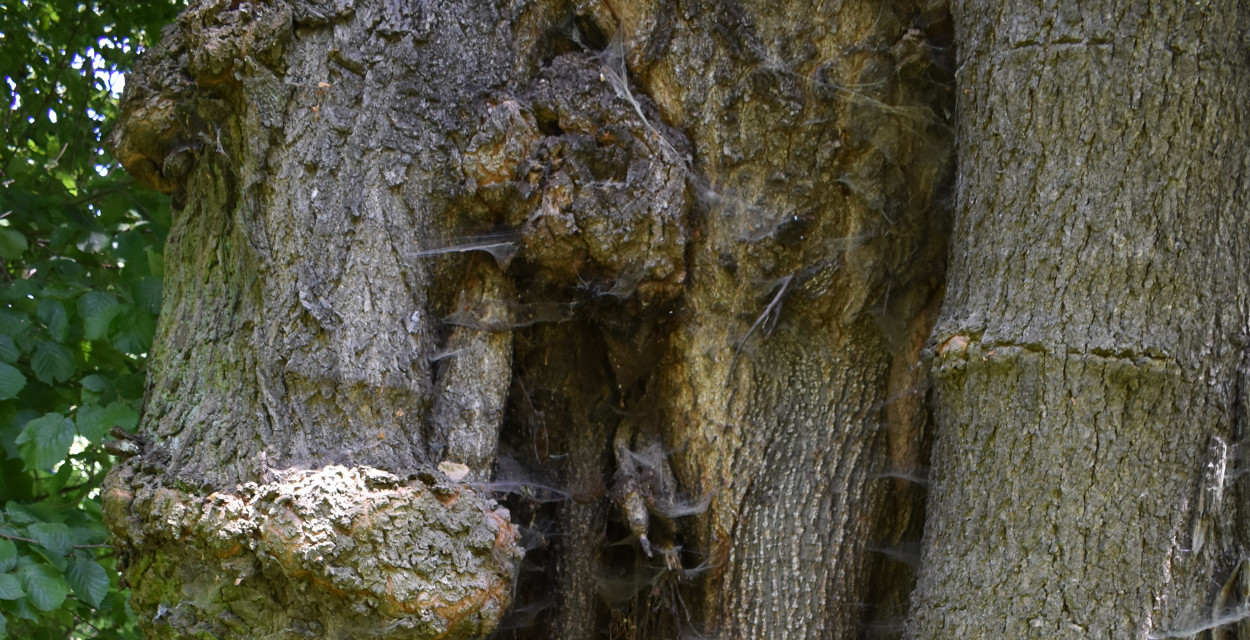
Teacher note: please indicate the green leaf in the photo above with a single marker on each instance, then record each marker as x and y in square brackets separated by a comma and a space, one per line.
[10, 587]
[8, 350]
[135, 336]
[61, 478]
[11, 423]
[89, 530]
[95, 383]
[21, 290]
[94, 421]
[124, 415]
[11, 381]
[88, 579]
[70, 226]
[53, 536]
[147, 294]
[53, 315]
[8, 555]
[12, 244]
[19, 513]
[23, 610]
[45, 441]
[45, 586]
[97, 310]
[156, 262]
[13, 323]
[58, 562]
[52, 362]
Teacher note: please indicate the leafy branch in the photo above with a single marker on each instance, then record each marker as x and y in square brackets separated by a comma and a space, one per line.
[33, 541]
[80, 287]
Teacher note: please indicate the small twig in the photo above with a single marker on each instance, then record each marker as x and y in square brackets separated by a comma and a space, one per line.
[773, 311]
[79, 620]
[121, 186]
[13, 537]
[30, 541]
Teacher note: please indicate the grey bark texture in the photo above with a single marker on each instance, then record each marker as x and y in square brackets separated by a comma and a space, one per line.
[1091, 355]
[658, 275]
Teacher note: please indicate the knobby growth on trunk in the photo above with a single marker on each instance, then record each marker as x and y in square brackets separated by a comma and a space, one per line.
[614, 306]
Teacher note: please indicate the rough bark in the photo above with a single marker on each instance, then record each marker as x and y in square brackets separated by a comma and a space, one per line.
[820, 144]
[1092, 348]
[675, 260]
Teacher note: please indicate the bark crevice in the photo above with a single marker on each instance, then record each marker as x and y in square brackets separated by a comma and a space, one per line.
[715, 249]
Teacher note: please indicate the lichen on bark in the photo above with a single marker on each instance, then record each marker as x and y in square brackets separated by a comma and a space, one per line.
[334, 552]
[1090, 358]
[319, 349]
[714, 237]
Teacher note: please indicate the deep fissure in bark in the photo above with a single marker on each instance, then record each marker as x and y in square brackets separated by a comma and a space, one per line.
[655, 275]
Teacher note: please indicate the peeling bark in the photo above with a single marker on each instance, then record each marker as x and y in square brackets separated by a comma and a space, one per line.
[334, 552]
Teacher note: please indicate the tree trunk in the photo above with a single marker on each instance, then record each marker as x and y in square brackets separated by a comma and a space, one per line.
[661, 273]
[1092, 348]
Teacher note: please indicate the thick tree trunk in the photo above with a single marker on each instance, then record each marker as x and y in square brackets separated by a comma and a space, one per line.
[789, 386]
[717, 244]
[1092, 350]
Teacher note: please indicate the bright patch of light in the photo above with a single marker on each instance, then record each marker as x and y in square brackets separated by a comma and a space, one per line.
[80, 445]
[112, 80]
[94, 242]
[115, 81]
[84, 469]
[109, 43]
[97, 62]
[52, 116]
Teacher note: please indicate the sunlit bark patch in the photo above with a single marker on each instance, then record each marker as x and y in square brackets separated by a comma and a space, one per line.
[336, 552]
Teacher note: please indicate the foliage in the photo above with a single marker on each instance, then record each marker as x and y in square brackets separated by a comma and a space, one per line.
[79, 292]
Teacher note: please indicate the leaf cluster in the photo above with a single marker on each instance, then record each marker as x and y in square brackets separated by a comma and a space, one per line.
[80, 288]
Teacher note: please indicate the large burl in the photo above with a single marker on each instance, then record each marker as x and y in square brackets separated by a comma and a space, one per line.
[307, 382]
[327, 553]
[593, 180]
[284, 488]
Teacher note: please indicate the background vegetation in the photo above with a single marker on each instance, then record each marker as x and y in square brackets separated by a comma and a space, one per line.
[81, 289]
